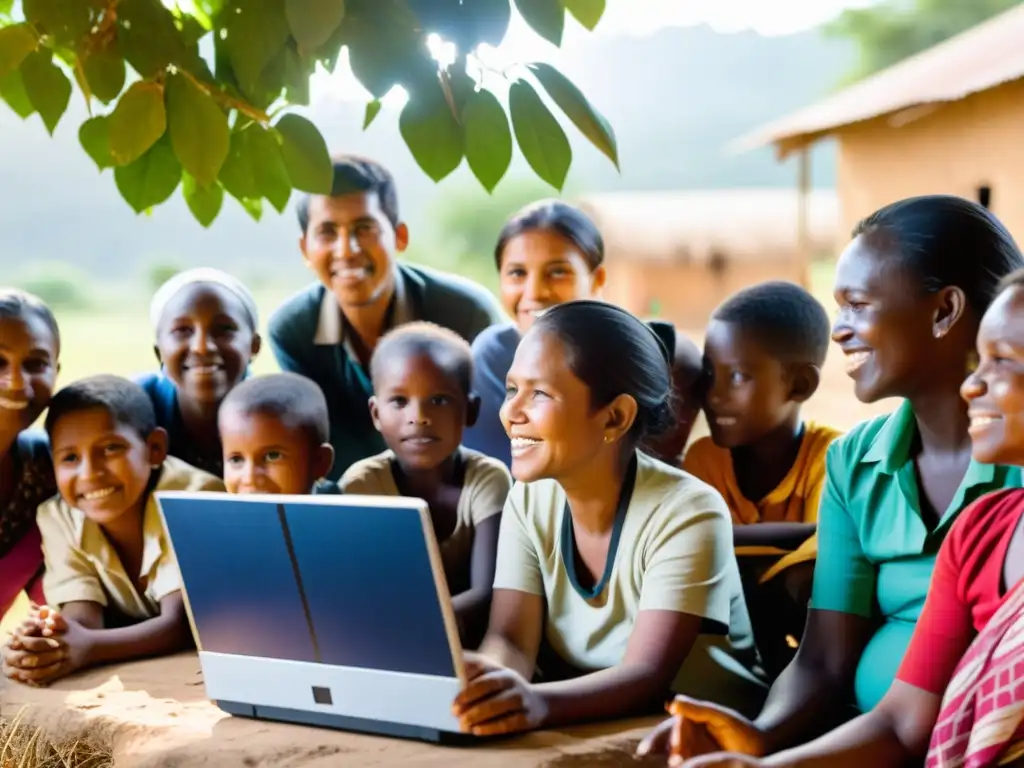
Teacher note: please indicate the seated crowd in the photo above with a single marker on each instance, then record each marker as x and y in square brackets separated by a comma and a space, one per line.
[809, 597]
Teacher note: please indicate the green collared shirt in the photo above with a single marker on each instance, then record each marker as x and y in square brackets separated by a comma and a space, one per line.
[875, 552]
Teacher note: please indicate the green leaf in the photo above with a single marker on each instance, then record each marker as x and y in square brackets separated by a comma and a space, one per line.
[272, 180]
[48, 88]
[65, 21]
[104, 70]
[192, 29]
[255, 167]
[574, 104]
[137, 122]
[546, 17]
[290, 70]
[586, 12]
[312, 22]
[12, 89]
[305, 154]
[372, 110]
[204, 201]
[254, 207]
[150, 40]
[198, 129]
[385, 49]
[94, 136]
[16, 43]
[431, 132]
[150, 179]
[205, 11]
[256, 31]
[6, 6]
[465, 24]
[540, 137]
[487, 137]
[238, 174]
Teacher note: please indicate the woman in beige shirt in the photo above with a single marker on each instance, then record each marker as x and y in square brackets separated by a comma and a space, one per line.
[620, 564]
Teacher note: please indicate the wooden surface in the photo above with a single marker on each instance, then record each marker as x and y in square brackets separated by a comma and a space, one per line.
[156, 714]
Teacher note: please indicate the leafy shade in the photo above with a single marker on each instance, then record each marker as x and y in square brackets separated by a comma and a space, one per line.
[162, 116]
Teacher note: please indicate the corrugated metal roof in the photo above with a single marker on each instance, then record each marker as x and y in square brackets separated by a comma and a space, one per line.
[983, 57]
[695, 224]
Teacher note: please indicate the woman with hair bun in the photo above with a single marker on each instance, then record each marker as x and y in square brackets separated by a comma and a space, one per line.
[616, 581]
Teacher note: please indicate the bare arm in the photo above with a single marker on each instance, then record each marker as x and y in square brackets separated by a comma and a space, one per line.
[167, 633]
[811, 688]
[471, 606]
[660, 642]
[85, 613]
[514, 632]
[896, 731]
[787, 536]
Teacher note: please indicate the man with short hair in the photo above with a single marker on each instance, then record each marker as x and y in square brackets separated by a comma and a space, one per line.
[328, 332]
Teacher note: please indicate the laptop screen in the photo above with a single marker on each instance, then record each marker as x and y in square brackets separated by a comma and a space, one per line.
[338, 580]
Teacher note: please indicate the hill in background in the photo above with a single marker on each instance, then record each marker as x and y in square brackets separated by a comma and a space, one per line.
[675, 99]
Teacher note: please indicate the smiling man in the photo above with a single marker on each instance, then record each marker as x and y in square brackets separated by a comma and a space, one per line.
[327, 332]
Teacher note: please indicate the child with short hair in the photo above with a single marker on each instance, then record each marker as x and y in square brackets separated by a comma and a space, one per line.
[274, 431]
[421, 405]
[764, 347]
[113, 588]
[206, 325]
[29, 351]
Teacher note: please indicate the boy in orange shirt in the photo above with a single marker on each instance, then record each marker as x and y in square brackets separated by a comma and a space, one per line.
[764, 347]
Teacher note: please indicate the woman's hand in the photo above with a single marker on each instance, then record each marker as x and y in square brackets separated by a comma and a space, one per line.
[700, 728]
[496, 700]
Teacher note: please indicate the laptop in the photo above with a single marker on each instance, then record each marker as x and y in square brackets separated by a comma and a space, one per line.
[330, 611]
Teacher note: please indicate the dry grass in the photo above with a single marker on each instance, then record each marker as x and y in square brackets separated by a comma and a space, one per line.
[22, 746]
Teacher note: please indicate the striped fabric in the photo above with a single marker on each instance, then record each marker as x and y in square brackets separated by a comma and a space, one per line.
[981, 722]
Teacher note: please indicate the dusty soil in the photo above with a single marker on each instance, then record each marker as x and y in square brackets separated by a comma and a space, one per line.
[155, 714]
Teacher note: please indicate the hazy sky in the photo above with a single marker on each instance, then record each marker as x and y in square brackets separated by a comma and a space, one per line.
[629, 17]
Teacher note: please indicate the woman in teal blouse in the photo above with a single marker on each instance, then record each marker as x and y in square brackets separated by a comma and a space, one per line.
[911, 288]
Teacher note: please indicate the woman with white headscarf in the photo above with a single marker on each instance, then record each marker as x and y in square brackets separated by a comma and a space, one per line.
[207, 331]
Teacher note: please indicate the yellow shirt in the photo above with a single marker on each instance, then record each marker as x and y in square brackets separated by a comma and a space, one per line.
[794, 500]
[82, 564]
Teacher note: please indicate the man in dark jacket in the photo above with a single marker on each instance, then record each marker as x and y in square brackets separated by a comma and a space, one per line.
[327, 332]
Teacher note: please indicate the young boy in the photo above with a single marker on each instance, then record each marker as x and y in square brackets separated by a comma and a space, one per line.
[764, 348]
[111, 582]
[421, 405]
[274, 431]
[351, 240]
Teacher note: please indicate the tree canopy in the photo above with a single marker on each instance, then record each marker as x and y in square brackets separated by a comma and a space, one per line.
[895, 29]
[199, 94]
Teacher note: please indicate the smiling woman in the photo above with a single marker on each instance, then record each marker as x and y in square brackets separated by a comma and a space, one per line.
[549, 253]
[206, 324]
[616, 581]
[911, 287]
[956, 699]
